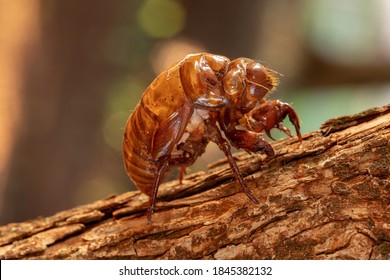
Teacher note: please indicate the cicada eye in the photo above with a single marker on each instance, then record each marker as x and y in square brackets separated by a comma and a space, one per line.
[260, 80]
[255, 72]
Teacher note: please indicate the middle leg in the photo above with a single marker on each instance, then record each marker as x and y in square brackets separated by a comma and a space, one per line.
[216, 136]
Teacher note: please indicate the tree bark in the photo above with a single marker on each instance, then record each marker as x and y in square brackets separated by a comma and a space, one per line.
[326, 198]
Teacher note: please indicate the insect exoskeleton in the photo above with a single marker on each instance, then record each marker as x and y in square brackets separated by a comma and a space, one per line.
[203, 98]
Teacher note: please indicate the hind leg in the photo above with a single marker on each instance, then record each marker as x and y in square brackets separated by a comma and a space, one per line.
[186, 154]
[162, 168]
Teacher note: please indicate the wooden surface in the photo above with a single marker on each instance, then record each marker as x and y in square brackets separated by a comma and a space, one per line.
[327, 198]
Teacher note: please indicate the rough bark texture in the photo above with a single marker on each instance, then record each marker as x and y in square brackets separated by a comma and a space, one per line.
[327, 198]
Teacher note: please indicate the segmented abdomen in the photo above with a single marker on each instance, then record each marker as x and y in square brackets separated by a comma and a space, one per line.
[154, 128]
[139, 163]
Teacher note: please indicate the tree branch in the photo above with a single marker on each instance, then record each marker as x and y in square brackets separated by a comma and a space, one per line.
[327, 198]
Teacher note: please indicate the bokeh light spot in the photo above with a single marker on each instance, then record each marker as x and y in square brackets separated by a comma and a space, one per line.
[161, 18]
[168, 52]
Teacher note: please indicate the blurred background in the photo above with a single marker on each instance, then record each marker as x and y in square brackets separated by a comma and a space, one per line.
[72, 71]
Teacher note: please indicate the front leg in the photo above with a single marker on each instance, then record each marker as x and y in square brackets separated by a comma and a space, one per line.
[250, 141]
[269, 115]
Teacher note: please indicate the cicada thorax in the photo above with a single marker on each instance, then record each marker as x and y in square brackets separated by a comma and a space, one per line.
[201, 78]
